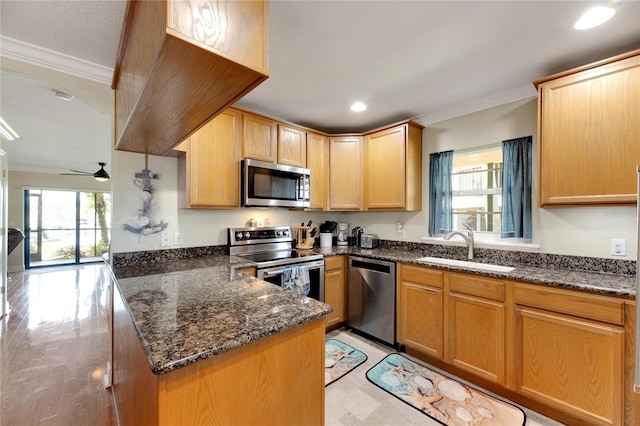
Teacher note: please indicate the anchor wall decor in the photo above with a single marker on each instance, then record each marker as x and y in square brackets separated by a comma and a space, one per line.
[143, 224]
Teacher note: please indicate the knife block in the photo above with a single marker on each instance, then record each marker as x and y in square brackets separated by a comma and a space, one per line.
[304, 240]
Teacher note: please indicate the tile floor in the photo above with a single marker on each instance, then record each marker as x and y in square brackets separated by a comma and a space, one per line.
[54, 343]
[353, 400]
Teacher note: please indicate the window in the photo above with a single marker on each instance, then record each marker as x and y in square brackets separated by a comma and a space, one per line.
[476, 180]
[487, 189]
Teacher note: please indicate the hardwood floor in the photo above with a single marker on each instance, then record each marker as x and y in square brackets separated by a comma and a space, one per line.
[54, 345]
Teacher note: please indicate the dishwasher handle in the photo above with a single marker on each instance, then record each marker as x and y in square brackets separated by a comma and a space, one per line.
[372, 265]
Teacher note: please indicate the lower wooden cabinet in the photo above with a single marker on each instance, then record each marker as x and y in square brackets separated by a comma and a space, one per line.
[476, 325]
[567, 354]
[575, 362]
[420, 309]
[335, 289]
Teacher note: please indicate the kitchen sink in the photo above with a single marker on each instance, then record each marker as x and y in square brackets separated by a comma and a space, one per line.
[467, 264]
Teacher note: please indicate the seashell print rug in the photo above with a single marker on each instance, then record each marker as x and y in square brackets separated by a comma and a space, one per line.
[340, 359]
[440, 397]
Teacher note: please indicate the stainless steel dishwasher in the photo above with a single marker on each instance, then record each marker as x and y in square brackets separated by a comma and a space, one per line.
[371, 298]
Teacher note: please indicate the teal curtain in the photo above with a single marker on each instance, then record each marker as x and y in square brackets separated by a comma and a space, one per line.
[440, 194]
[516, 188]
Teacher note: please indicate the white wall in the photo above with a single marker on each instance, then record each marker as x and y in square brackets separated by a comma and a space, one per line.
[581, 231]
[19, 181]
[199, 227]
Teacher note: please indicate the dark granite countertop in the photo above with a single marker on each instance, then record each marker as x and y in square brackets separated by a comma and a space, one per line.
[188, 310]
[566, 273]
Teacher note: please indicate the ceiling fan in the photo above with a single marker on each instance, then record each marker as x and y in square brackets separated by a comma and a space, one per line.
[101, 175]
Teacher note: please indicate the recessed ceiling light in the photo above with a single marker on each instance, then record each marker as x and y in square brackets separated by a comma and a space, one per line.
[358, 107]
[594, 17]
[7, 132]
[63, 96]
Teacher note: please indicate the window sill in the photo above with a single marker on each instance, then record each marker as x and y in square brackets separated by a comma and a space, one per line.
[499, 245]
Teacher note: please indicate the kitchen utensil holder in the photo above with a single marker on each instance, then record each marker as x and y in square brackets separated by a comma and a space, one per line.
[304, 240]
[326, 239]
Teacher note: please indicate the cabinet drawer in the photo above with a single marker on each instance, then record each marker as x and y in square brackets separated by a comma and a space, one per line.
[475, 285]
[594, 307]
[333, 262]
[421, 275]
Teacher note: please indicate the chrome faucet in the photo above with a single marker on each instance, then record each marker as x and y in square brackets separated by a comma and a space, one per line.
[468, 238]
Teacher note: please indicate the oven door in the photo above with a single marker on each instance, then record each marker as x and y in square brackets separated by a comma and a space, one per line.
[316, 277]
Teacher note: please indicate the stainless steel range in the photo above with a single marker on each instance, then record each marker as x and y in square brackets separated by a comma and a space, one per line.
[272, 250]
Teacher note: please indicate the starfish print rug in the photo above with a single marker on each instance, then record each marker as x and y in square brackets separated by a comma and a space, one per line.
[440, 397]
[340, 359]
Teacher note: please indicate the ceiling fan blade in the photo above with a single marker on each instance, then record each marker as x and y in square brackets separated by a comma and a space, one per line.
[77, 174]
[81, 172]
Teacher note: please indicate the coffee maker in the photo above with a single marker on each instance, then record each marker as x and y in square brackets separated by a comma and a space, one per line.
[343, 234]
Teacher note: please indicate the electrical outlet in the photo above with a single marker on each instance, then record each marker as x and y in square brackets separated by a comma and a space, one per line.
[618, 247]
[164, 239]
[178, 238]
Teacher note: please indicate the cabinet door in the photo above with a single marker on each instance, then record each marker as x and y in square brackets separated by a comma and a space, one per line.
[589, 136]
[335, 289]
[570, 364]
[318, 163]
[260, 138]
[292, 146]
[420, 318]
[345, 173]
[384, 159]
[213, 156]
[476, 336]
[420, 309]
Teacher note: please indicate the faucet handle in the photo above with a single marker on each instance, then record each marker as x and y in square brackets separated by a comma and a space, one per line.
[468, 227]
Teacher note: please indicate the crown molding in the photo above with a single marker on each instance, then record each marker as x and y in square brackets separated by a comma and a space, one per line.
[458, 110]
[24, 52]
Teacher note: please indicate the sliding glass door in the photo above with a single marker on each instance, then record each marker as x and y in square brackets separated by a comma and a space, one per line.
[65, 227]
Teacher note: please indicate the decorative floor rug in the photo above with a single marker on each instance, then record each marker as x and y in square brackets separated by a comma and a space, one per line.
[340, 359]
[441, 398]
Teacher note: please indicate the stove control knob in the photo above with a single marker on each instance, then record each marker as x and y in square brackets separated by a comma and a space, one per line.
[238, 235]
[247, 234]
[278, 233]
[285, 233]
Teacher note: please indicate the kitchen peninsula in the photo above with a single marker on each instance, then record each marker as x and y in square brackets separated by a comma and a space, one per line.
[209, 345]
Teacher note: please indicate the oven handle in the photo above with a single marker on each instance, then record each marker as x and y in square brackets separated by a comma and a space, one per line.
[312, 265]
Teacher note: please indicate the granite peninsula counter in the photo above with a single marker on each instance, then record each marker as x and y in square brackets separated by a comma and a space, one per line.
[190, 327]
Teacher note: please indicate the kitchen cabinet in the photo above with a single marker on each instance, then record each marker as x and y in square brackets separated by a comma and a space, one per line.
[292, 146]
[569, 350]
[345, 173]
[588, 134]
[318, 164]
[335, 284]
[243, 386]
[208, 170]
[180, 63]
[566, 353]
[420, 302]
[476, 325]
[393, 168]
[260, 138]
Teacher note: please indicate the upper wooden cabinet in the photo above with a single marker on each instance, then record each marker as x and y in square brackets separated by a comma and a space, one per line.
[209, 171]
[318, 163]
[588, 134]
[180, 63]
[260, 138]
[292, 146]
[393, 168]
[345, 173]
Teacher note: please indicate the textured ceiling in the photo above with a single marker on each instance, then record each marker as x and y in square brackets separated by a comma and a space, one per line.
[426, 60]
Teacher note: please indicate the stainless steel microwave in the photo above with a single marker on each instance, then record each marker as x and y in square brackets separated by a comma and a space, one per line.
[274, 185]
